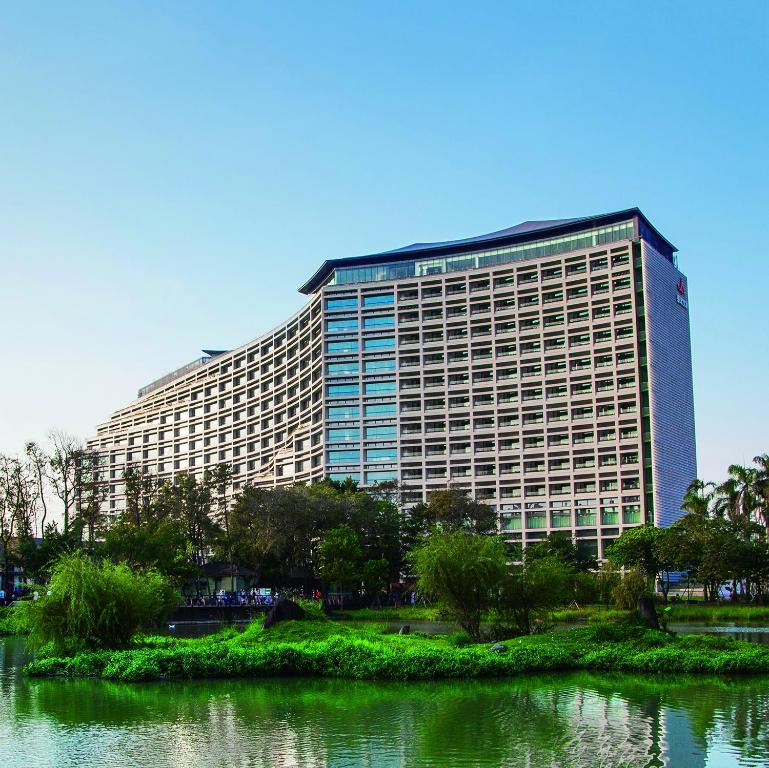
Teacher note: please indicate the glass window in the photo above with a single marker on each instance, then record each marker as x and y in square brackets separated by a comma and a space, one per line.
[340, 477]
[343, 390]
[381, 343]
[375, 366]
[344, 412]
[346, 303]
[382, 454]
[631, 514]
[346, 324]
[344, 457]
[349, 368]
[381, 299]
[344, 435]
[382, 321]
[381, 433]
[585, 517]
[382, 476]
[383, 409]
[379, 387]
[350, 345]
[490, 257]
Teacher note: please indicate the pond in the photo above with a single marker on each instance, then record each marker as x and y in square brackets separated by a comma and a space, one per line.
[571, 720]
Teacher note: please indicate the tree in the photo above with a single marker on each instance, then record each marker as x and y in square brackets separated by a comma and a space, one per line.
[647, 548]
[464, 571]
[157, 543]
[220, 481]
[273, 530]
[141, 493]
[339, 554]
[189, 502]
[453, 509]
[63, 462]
[90, 493]
[39, 558]
[698, 498]
[374, 575]
[18, 505]
[533, 587]
[761, 486]
[561, 546]
[39, 463]
[90, 605]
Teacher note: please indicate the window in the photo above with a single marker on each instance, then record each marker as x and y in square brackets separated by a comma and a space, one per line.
[380, 343]
[340, 477]
[385, 409]
[344, 412]
[342, 325]
[346, 303]
[379, 321]
[631, 514]
[377, 366]
[382, 476]
[343, 390]
[349, 368]
[342, 346]
[379, 388]
[535, 518]
[346, 435]
[379, 300]
[344, 457]
[382, 454]
[381, 433]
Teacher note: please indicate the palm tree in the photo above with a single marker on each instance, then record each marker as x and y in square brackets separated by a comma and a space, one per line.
[698, 498]
[735, 497]
[761, 487]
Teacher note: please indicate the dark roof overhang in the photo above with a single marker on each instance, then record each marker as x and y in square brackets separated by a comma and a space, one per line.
[529, 231]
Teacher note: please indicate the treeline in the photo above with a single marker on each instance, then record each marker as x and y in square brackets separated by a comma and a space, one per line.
[344, 535]
[721, 542]
[56, 494]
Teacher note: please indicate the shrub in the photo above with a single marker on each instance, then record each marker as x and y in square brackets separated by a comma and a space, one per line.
[633, 586]
[464, 571]
[459, 639]
[91, 606]
[13, 620]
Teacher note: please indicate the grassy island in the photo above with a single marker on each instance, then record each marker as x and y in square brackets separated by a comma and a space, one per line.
[318, 647]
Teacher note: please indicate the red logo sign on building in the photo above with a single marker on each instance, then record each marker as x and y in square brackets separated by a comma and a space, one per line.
[681, 287]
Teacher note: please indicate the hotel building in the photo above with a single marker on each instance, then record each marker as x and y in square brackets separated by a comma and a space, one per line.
[545, 367]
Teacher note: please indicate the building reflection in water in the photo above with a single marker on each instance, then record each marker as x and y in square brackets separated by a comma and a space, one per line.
[575, 720]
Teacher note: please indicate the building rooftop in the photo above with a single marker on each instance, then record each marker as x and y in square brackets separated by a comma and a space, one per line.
[528, 231]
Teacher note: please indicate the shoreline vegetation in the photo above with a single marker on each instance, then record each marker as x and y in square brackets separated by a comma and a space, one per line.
[319, 647]
[711, 613]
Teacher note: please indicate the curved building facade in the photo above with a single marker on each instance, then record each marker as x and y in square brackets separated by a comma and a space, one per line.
[545, 367]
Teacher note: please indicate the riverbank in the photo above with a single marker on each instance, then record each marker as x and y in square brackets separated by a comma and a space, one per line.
[321, 648]
[749, 614]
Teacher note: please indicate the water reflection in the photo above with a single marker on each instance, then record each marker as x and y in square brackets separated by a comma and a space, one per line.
[572, 720]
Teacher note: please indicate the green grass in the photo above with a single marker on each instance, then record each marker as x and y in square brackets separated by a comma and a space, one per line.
[716, 613]
[591, 613]
[321, 648]
[707, 613]
[396, 614]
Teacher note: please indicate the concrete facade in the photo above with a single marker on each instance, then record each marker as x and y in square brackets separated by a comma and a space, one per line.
[546, 368]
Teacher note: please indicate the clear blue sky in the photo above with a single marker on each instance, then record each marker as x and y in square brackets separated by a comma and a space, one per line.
[171, 172]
